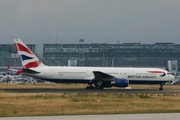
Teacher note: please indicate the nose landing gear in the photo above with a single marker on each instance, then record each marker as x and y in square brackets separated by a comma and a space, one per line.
[161, 87]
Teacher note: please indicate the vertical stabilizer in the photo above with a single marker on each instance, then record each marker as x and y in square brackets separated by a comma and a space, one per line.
[28, 58]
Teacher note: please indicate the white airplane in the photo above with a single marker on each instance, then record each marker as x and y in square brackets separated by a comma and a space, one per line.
[96, 77]
[1, 76]
[7, 76]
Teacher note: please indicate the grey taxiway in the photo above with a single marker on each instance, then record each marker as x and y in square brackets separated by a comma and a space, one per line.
[159, 116]
[20, 90]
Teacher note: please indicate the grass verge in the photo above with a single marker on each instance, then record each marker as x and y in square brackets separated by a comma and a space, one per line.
[38, 104]
[32, 104]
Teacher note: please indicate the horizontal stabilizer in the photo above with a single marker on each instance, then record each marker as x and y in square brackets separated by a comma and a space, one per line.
[103, 76]
[24, 70]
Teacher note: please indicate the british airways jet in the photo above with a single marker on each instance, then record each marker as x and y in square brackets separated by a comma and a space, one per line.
[95, 77]
[8, 76]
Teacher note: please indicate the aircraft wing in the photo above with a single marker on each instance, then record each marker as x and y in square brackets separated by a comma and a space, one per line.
[103, 76]
[14, 70]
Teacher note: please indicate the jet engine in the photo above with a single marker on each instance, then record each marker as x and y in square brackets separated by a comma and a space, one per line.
[120, 82]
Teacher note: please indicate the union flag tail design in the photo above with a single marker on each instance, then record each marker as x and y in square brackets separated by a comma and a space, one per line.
[28, 58]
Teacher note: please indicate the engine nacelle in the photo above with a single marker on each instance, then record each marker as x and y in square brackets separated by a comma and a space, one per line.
[120, 82]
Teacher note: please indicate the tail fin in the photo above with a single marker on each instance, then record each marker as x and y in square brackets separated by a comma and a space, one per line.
[28, 58]
[8, 66]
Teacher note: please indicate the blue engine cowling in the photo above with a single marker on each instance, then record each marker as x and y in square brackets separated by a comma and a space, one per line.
[120, 82]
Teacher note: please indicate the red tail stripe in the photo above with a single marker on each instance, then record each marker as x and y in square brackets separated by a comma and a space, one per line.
[33, 64]
[20, 47]
[19, 72]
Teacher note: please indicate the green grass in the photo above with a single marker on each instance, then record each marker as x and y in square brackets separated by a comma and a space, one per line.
[21, 104]
[38, 104]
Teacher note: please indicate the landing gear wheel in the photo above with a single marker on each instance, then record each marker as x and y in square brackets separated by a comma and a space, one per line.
[161, 87]
[99, 87]
[90, 87]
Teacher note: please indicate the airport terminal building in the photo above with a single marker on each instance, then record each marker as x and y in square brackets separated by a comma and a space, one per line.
[118, 55]
[99, 54]
[8, 55]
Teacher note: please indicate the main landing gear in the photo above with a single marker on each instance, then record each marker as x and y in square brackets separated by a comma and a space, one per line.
[161, 87]
[97, 86]
[90, 87]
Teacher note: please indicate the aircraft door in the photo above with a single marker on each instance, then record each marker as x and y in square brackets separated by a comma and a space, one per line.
[51, 72]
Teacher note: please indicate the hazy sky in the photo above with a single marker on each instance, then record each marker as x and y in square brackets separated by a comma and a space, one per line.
[95, 21]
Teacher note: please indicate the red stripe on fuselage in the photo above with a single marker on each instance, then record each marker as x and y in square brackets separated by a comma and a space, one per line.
[156, 72]
[20, 47]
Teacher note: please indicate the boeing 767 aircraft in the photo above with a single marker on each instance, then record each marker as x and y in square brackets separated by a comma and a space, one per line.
[95, 77]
